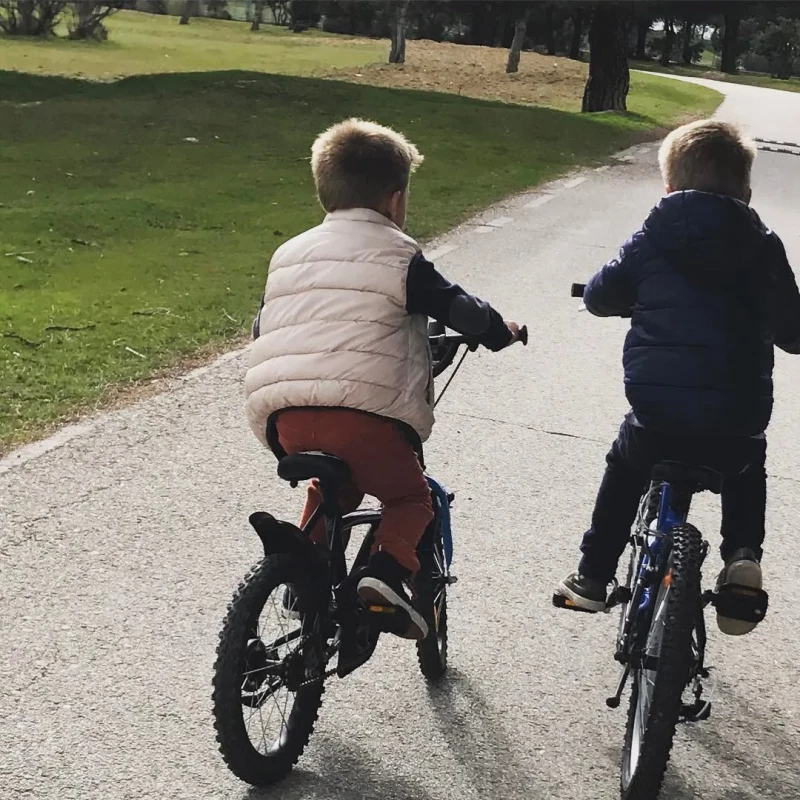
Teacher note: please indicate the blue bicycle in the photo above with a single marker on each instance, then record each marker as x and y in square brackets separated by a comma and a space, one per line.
[662, 635]
[296, 619]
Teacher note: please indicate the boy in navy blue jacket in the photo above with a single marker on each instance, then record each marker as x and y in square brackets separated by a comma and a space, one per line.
[709, 291]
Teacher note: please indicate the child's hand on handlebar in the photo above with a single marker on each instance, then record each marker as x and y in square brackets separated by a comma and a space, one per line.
[518, 334]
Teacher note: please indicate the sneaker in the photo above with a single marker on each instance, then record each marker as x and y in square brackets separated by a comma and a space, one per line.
[381, 584]
[289, 607]
[584, 593]
[743, 569]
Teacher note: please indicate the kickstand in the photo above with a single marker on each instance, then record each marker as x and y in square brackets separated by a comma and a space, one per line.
[613, 702]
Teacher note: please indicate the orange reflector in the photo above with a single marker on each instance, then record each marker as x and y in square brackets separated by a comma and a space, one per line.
[668, 579]
[382, 609]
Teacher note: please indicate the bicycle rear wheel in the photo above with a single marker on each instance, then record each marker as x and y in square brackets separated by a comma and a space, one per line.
[268, 673]
[430, 591]
[665, 669]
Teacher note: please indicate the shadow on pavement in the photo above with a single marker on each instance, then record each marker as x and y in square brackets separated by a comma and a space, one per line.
[352, 775]
[477, 737]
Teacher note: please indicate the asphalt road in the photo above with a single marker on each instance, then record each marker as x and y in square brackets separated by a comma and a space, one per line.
[119, 549]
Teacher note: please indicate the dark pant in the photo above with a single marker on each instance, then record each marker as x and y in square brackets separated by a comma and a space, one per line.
[630, 462]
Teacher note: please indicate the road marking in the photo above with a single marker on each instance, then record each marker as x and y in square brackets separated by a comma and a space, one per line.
[603, 169]
[571, 184]
[441, 251]
[539, 201]
[499, 222]
[775, 141]
[484, 229]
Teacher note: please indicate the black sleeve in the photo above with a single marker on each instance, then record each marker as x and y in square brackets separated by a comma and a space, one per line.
[783, 300]
[257, 320]
[430, 293]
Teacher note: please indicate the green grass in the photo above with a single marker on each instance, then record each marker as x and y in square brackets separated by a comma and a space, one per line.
[141, 43]
[125, 249]
[708, 72]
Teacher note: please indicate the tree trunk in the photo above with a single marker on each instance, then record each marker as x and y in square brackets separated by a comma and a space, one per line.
[258, 15]
[669, 42]
[577, 35]
[609, 79]
[688, 37]
[642, 29]
[730, 40]
[190, 8]
[520, 29]
[397, 52]
[550, 30]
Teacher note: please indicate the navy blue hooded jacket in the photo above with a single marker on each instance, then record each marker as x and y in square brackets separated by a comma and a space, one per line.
[709, 291]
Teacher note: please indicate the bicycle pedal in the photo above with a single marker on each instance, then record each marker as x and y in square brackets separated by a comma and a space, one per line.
[744, 603]
[696, 712]
[559, 601]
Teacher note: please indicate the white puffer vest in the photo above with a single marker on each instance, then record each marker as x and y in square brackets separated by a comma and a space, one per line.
[334, 331]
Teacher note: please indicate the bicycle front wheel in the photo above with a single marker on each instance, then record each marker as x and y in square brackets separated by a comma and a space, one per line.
[665, 669]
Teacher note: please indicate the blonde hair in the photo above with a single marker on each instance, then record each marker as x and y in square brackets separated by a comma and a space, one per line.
[708, 156]
[358, 164]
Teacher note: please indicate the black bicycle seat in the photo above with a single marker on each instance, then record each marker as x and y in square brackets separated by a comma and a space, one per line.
[330, 470]
[697, 479]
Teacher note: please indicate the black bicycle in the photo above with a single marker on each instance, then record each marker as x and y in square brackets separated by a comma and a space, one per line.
[662, 635]
[297, 612]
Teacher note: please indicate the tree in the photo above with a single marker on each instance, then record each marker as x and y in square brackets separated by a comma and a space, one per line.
[258, 15]
[398, 20]
[609, 78]
[669, 41]
[87, 17]
[550, 29]
[191, 8]
[577, 34]
[642, 30]
[30, 17]
[218, 9]
[730, 51]
[687, 55]
[779, 43]
[280, 11]
[520, 28]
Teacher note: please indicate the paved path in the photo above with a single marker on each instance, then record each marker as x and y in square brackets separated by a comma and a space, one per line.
[119, 550]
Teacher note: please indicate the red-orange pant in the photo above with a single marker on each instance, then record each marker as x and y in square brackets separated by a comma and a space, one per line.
[382, 463]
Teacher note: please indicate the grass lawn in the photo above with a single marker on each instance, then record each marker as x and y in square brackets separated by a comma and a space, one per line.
[708, 72]
[125, 248]
[142, 43]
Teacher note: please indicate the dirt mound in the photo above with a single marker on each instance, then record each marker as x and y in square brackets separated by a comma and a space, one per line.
[478, 72]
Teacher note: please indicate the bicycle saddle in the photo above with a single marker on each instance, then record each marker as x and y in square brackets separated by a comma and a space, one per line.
[330, 470]
[699, 479]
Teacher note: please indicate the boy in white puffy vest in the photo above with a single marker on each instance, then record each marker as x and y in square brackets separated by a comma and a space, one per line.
[341, 362]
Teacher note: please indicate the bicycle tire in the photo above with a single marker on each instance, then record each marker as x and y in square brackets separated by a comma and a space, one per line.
[673, 672]
[244, 610]
[430, 590]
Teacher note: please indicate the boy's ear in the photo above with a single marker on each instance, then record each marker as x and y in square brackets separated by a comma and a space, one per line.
[395, 205]
[748, 195]
[669, 189]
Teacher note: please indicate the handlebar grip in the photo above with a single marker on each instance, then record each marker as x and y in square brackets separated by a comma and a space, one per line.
[578, 289]
[523, 335]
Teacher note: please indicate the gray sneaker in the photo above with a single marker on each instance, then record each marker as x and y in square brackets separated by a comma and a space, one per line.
[582, 592]
[742, 569]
